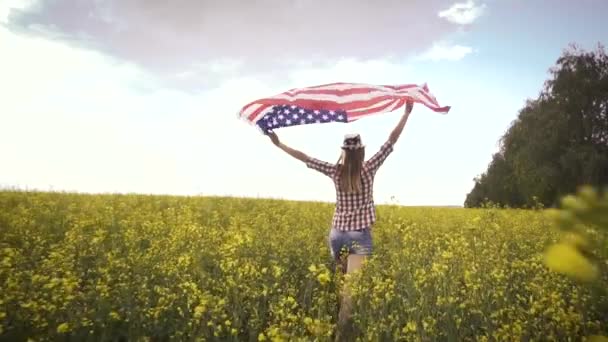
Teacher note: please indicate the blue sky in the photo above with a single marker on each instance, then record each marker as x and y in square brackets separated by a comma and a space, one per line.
[125, 97]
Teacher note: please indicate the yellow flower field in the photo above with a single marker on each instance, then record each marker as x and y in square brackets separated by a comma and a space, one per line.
[149, 268]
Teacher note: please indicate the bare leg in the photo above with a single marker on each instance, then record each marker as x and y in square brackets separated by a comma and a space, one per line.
[354, 264]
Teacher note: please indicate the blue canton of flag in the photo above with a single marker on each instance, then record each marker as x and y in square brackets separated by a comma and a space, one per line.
[291, 115]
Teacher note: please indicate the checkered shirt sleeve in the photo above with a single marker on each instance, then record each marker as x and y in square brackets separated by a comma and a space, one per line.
[378, 159]
[321, 166]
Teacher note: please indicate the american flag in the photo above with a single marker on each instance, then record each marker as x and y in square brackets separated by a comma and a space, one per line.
[334, 102]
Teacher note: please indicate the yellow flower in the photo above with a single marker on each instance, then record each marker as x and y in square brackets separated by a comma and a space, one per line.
[323, 278]
[409, 327]
[565, 259]
[198, 311]
[576, 240]
[63, 328]
[574, 203]
[447, 255]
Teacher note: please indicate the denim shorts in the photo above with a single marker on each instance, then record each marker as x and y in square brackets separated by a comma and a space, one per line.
[353, 242]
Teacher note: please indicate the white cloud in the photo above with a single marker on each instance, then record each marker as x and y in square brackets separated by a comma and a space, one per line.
[463, 13]
[376, 71]
[181, 43]
[7, 5]
[444, 51]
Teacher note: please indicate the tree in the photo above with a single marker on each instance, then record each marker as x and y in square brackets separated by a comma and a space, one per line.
[558, 142]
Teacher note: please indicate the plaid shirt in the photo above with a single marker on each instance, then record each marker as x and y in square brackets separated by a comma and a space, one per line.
[354, 211]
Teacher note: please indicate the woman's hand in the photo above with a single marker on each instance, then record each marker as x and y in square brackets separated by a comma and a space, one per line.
[409, 105]
[274, 138]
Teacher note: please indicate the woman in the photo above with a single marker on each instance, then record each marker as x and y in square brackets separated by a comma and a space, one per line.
[353, 178]
[355, 212]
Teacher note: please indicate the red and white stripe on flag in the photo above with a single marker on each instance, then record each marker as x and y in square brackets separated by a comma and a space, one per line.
[358, 100]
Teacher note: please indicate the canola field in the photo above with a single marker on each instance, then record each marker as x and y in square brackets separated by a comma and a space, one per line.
[158, 268]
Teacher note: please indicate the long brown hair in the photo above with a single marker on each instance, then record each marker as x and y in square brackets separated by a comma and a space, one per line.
[349, 168]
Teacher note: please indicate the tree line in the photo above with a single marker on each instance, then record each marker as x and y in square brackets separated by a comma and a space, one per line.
[558, 142]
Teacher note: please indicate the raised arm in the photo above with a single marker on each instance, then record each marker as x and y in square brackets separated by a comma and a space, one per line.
[396, 133]
[312, 163]
[379, 157]
[292, 152]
